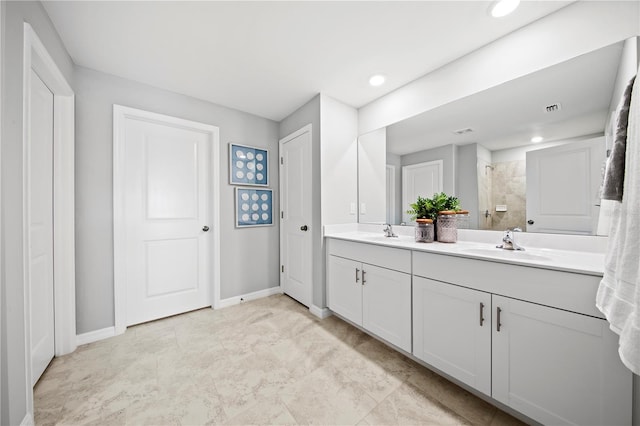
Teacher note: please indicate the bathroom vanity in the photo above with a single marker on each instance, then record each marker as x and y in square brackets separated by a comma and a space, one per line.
[520, 328]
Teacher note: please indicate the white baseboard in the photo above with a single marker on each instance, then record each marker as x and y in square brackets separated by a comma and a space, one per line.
[321, 313]
[249, 296]
[94, 336]
[28, 420]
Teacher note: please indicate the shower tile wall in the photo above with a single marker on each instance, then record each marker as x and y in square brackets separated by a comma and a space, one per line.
[485, 203]
[508, 186]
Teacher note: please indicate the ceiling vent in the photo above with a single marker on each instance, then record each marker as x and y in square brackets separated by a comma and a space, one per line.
[463, 131]
[553, 107]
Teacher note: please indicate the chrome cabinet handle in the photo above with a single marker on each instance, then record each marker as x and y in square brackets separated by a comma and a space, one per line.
[481, 313]
[363, 280]
[304, 227]
[498, 311]
[205, 228]
[357, 277]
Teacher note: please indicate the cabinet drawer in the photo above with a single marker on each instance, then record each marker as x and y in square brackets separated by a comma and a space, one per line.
[385, 257]
[564, 290]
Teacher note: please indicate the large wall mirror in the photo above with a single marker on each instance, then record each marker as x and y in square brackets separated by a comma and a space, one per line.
[480, 149]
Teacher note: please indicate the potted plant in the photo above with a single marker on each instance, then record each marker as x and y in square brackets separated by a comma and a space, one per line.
[421, 209]
[428, 208]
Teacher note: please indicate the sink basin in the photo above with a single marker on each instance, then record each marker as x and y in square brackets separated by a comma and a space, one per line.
[384, 238]
[505, 254]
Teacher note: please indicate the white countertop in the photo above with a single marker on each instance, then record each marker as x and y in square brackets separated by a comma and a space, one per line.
[563, 257]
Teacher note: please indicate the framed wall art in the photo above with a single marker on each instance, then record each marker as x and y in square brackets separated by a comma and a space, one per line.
[254, 207]
[248, 165]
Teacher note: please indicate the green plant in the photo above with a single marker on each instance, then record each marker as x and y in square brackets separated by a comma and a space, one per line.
[421, 209]
[429, 207]
[452, 203]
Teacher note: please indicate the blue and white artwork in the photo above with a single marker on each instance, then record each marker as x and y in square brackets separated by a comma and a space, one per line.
[254, 207]
[248, 165]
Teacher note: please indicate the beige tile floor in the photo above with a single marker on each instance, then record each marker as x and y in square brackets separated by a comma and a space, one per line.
[263, 362]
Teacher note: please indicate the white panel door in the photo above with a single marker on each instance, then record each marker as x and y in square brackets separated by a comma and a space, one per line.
[40, 218]
[167, 214]
[386, 305]
[295, 201]
[344, 280]
[452, 331]
[558, 367]
[423, 179]
[391, 195]
[562, 187]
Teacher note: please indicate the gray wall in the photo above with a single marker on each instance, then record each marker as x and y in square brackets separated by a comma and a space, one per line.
[95, 95]
[309, 113]
[12, 335]
[467, 181]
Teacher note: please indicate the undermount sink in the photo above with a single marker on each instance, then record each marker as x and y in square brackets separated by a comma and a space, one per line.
[506, 254]
[384, 238]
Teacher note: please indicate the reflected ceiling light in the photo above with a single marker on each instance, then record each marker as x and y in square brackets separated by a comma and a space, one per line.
[377, 80]
[503, 8]
[537, 139]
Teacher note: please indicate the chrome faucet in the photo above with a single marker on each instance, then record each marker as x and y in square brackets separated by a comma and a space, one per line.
[509, 241]
[388, 230]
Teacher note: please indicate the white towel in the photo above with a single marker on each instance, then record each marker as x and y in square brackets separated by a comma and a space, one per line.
[619, 293]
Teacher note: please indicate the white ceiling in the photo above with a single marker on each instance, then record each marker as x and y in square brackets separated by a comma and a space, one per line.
[268, 58]
[510, 114]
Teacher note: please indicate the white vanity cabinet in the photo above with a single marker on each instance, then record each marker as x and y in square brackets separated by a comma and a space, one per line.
[371, 287]
[386, 305]
[557, 365]
[452, 331]
[345, 288]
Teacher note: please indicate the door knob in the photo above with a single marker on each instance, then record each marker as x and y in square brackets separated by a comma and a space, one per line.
[530, 222]
[304, 227]
[205, 228]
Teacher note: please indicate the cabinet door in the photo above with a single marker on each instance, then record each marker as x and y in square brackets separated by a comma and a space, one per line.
[558, 367]
[386, 301]
[345, 288]
[452, 331]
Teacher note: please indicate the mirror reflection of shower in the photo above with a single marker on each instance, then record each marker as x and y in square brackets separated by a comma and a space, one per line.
[485, 193]
[502, 193]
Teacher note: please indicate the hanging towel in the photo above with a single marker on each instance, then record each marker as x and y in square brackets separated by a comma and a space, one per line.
[614, 175]
[619, 293]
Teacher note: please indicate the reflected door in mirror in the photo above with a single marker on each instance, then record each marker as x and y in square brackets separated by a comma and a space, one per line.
[422, 179]
[562, 187]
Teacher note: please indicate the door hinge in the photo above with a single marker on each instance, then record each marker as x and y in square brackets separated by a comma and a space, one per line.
[281, 160]
[281, 268]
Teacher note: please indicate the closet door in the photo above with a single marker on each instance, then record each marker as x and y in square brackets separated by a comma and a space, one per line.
[40, 226]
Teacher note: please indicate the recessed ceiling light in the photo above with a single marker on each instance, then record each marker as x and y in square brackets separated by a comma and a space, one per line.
[463, 131]
[377, 80]
[504, 7]
[537, 139]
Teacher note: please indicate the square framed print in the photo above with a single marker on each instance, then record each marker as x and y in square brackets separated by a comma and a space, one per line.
[248, 165]
[254, 207]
